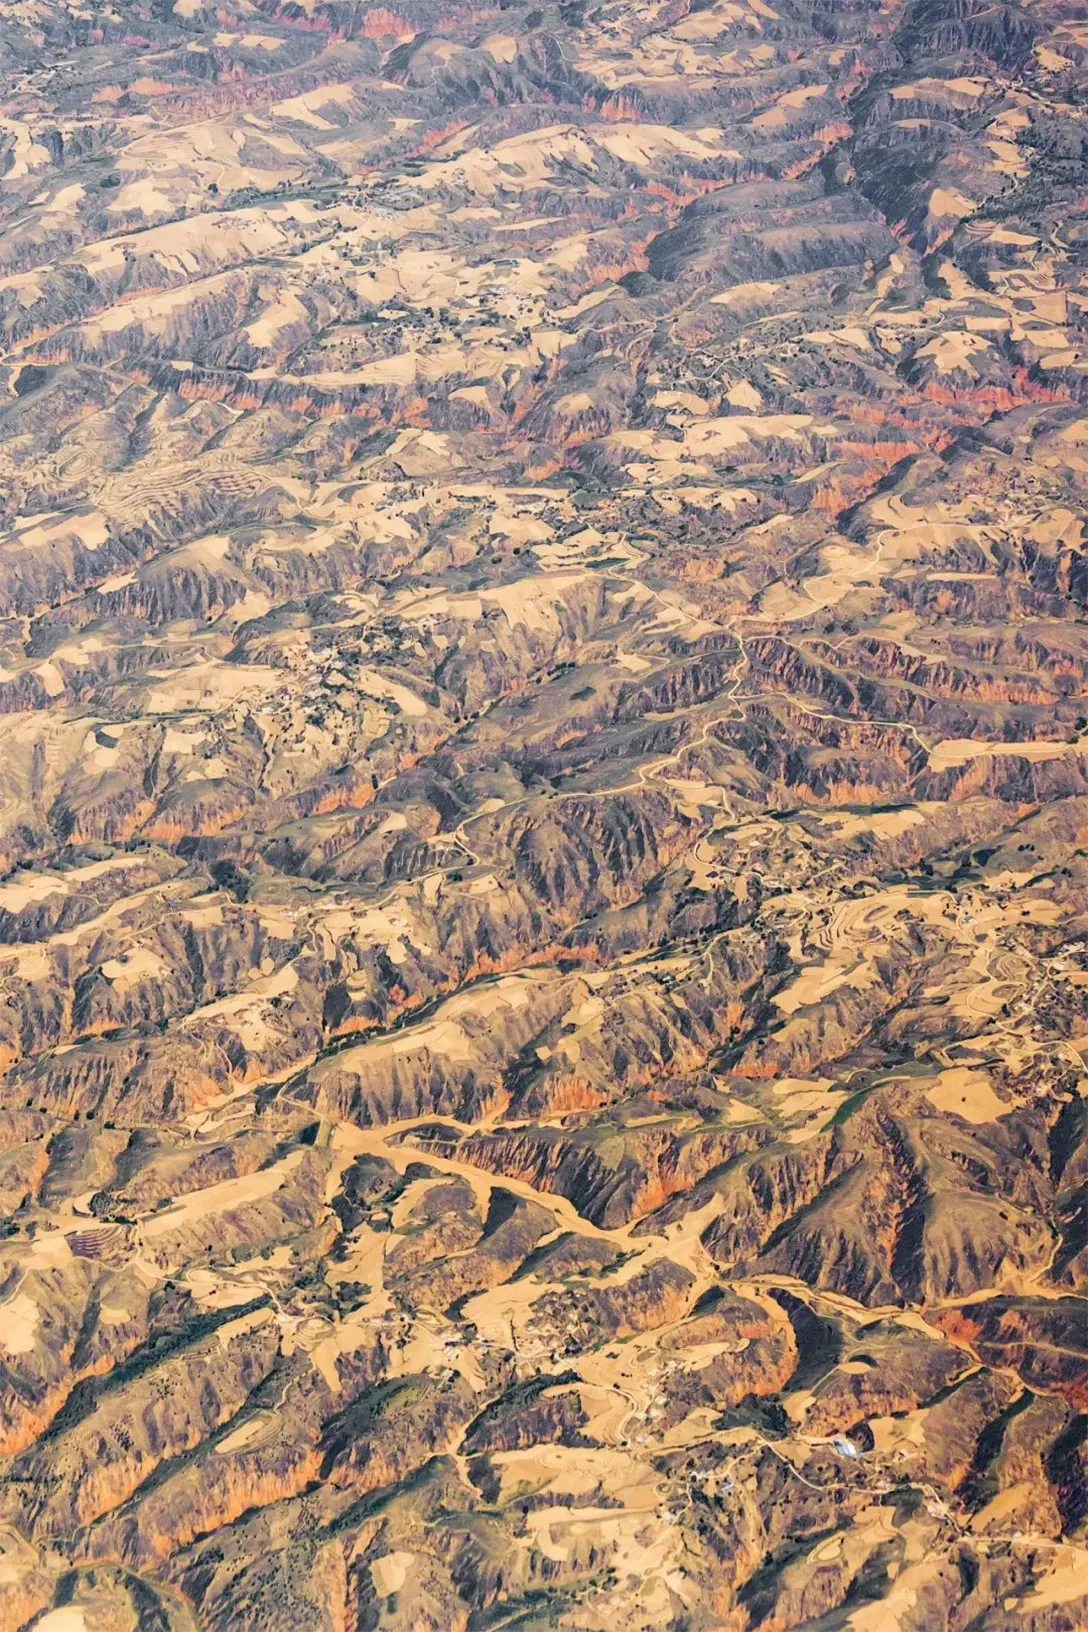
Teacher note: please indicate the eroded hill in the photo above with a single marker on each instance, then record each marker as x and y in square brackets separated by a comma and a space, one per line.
[543, 815]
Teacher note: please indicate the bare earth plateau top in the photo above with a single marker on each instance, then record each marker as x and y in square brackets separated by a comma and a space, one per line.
[543, 816]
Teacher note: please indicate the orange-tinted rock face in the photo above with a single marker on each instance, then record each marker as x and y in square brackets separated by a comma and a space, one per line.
[543, 814]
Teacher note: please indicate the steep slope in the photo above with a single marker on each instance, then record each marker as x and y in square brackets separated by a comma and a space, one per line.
[543, 816]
